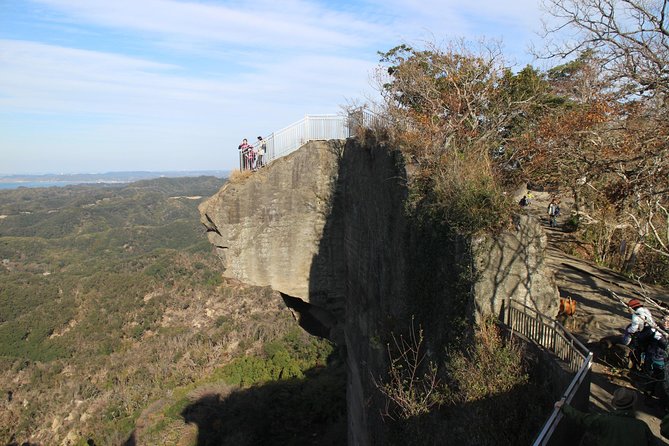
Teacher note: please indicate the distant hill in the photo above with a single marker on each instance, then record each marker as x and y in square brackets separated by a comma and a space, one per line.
[109, 177]
[112, 305]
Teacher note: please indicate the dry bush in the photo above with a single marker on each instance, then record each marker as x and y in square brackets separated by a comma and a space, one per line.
[412, 387]
[239, 175]
[468, 194]
[489, 367]
[490, 398]
[445, 108]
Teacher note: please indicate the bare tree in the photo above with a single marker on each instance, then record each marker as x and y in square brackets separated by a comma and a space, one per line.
[629, 39]
[630, 36]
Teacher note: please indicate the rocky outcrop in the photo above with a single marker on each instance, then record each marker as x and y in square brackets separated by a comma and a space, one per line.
[267, 228]
[328, 224]
[512, 264]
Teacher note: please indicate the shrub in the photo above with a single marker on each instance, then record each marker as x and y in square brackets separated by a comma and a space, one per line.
[287, 358]
[488, 367]
[412, 387]
[482, 395]
[468, 196]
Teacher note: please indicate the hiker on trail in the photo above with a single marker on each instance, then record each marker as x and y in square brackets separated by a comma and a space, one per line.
[524, 202]
[641, 318]
[616, 428]
[654, 363]
[639, 333]
[553, 212]
[262, 148]
[244, 151]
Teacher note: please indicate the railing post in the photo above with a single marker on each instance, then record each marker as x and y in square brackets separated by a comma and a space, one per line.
[270, 146]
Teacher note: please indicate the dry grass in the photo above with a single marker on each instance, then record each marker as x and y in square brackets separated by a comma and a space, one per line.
[486, 395]
[239, 175]
[489, 367]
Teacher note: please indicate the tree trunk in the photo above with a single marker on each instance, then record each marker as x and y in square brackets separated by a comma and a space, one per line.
[630, 260]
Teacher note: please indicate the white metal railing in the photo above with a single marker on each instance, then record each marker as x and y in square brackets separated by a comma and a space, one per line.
[551, 335]
[309, 128]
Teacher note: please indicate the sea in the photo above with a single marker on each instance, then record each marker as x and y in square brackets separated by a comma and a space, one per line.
[108, 178]
[16, 185]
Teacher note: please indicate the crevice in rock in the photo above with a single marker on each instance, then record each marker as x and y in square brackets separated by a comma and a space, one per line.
[211, 227]
[313, 319]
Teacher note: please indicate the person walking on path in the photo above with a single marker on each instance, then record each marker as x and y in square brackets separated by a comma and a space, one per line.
[553, 212]
[640, 333]
[617, 428]
[641, 319]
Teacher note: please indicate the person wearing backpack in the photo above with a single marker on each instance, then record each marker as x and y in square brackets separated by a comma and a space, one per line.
[639, 333]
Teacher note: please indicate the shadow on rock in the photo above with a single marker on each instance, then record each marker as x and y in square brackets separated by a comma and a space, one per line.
[307, 411]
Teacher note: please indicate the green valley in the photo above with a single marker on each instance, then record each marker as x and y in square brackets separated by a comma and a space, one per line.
[112, 304]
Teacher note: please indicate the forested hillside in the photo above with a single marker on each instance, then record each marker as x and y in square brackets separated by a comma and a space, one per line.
[110, 300]
[592, 129]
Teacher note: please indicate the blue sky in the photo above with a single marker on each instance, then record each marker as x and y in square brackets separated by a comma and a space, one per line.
[100, 85]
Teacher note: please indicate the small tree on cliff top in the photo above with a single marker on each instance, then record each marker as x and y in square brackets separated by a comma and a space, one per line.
[451, 111]
[443, 101]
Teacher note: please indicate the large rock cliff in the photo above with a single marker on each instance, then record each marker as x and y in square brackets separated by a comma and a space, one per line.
[327, 225]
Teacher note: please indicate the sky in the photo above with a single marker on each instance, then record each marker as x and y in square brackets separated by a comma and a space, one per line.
[91, 86]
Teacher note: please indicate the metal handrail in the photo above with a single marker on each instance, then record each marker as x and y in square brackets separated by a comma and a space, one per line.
[309, 128]
[551, 335]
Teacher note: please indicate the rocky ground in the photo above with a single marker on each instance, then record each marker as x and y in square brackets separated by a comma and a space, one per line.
[599, 314]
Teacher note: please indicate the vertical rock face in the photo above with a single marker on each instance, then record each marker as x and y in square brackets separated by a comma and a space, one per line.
[512, 264]
[328, 224]
[267, 228]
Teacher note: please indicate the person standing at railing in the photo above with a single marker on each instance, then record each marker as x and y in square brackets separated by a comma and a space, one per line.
[244, 150]
[262, 148]
[253, 158]
[617, 428]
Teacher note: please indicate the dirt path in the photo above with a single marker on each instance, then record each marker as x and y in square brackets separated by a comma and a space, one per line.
[598, 315]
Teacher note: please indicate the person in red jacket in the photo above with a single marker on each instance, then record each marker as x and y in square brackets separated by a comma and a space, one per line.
[245, 151]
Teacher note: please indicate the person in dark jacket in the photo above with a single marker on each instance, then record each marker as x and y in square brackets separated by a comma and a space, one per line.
[617, 428]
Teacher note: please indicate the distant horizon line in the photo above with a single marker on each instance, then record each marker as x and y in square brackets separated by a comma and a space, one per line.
[111, 172]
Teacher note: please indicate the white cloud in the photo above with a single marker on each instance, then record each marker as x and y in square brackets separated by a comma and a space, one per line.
[137, 82]
[113, 103]
[39, 77]
[291, 24]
